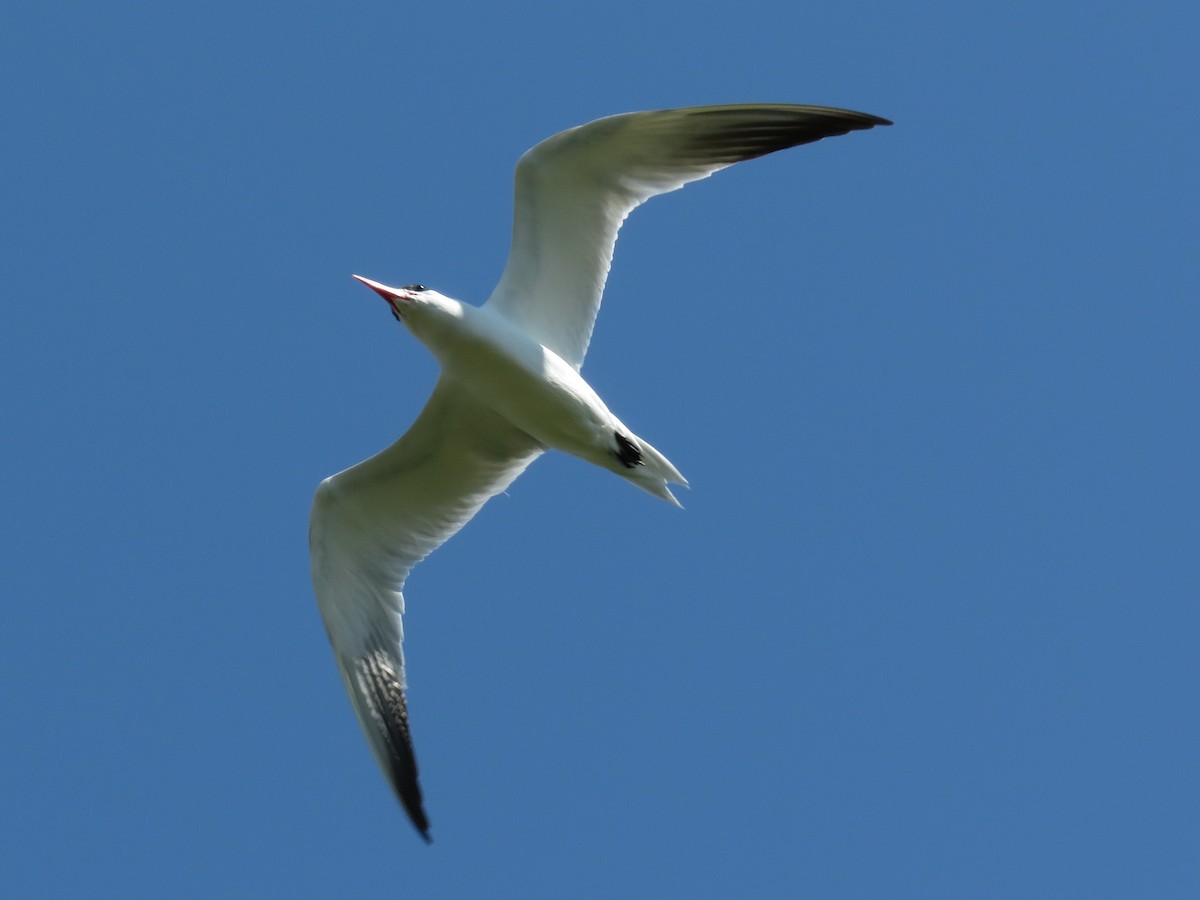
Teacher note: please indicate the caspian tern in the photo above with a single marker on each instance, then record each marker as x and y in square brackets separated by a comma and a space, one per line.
[510, 386]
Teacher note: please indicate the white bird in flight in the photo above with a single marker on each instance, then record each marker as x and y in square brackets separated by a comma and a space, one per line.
[510, 386]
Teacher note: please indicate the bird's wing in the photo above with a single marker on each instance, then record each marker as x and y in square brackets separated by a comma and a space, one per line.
[372, 523]
[574, 190]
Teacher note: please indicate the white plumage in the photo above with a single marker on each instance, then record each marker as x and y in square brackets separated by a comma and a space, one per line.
[510, 386]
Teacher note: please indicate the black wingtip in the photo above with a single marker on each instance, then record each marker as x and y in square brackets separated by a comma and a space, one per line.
[408, 791]
[379, 681]
[416, 811]
[731, 134]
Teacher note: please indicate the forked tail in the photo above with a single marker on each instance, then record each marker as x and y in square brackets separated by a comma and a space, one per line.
[652, 472]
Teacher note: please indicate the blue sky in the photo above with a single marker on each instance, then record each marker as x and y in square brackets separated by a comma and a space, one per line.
[928, 625]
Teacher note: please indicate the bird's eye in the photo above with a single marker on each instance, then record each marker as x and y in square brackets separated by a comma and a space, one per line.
[414, 287]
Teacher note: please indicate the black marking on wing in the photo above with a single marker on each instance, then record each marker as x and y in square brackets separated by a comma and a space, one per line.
[381, 685]
[733, 134]
[628, 452]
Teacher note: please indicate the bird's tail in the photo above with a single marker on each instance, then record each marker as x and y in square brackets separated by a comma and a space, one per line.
[654, 472]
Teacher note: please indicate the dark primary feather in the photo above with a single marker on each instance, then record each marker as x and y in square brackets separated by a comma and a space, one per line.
[383, 689]
[736, 133]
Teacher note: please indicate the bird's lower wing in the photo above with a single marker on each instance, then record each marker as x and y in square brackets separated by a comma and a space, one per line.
[573, 191]
[372, 523]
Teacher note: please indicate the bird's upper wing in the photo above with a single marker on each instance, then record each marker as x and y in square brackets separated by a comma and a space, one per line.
[372, 523]
[574, 190]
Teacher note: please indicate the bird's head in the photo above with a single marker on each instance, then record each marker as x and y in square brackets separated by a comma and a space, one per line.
[428, 315]
[402, 300]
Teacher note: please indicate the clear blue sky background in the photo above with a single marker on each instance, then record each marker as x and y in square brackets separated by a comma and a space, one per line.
[928, 625]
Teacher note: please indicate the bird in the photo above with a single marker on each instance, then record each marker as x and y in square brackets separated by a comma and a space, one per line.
[510, 386]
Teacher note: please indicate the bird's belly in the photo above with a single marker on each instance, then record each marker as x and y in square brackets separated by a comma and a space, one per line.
[539, 393]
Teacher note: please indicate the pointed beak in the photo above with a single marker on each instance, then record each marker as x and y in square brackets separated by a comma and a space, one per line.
[396, 297]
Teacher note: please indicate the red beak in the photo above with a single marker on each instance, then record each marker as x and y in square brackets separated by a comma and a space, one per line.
[394, 296]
